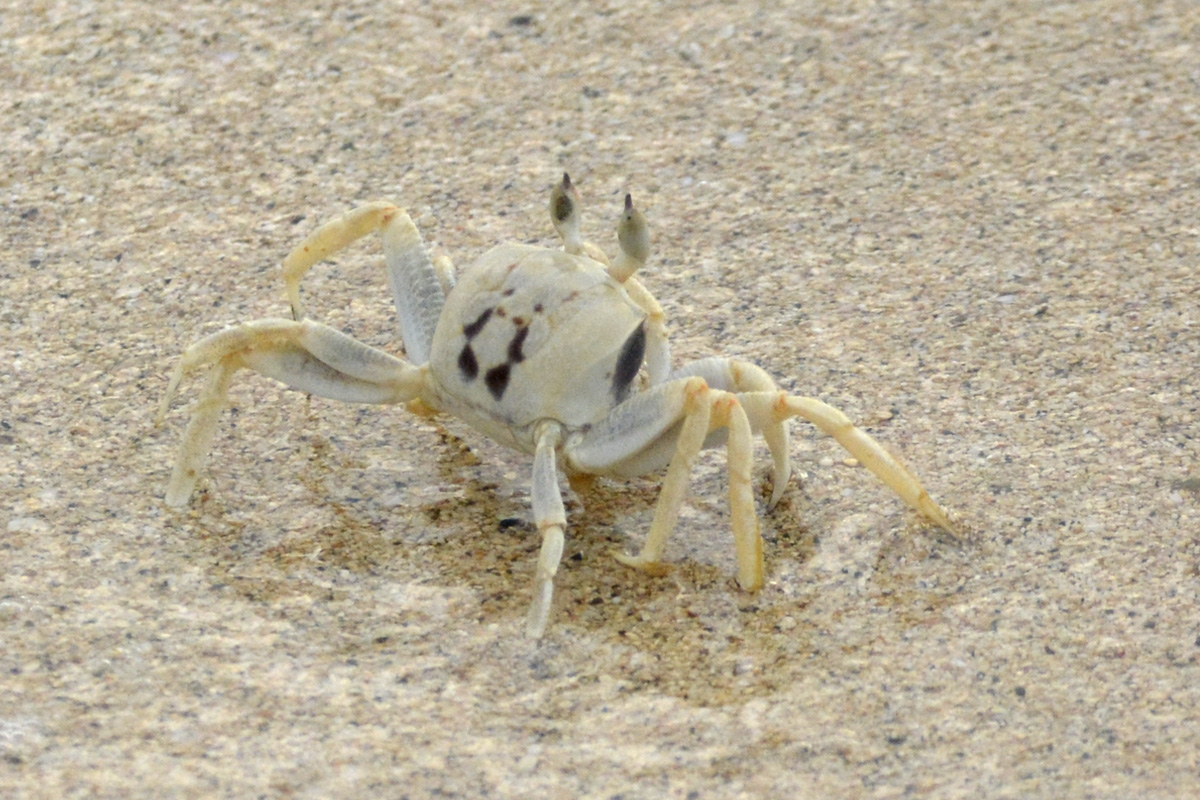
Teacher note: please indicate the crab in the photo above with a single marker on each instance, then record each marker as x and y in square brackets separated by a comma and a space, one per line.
[559, 353]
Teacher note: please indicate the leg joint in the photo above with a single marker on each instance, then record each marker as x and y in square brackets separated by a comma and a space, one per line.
[695, 389]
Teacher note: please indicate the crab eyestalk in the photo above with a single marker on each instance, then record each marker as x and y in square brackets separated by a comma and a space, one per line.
[633, 234]
[564, 213]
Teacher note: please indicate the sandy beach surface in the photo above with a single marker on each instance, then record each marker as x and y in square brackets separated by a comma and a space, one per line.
[972, 226]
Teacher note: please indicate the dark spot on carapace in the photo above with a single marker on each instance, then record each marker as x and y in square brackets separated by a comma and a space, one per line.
[518, 321]
[467, 363]
[515, 356]
[629, 362]
[501, 313]
[472, 330]
[537, 309]
[508, 292]
[496, 379]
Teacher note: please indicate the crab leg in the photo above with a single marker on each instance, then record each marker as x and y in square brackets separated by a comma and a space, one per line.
[708, 410]
[305, 355]
[197, 439]
[771, 408]
[678, 417]
[550, 518]
[740, 377]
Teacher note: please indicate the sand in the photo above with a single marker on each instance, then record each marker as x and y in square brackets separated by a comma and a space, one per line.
[971, 226]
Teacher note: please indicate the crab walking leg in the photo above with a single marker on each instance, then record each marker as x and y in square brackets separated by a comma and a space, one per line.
[197, 439]
[708, 410]
[747, 532]
[667, 426]
[740, 377]
[698, 416]
[304, 355]
[767, 407]
[549, 516]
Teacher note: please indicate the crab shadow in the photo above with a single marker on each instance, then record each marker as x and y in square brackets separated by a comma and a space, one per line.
[464, 520]
[479, 533]
[463, 523]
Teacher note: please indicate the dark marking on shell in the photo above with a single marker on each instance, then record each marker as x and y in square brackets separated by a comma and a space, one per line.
[472, 330]
[468, 364]
[501, 313]
[537, 309]
[519, 321]
[496, 379]
[508, 292]
[515, 356]
[629, 362]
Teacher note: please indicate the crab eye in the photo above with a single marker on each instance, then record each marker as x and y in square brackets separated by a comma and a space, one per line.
[562, 207]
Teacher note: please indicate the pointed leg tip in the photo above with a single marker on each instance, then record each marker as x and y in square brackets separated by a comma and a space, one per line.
[179, 490]
[776, 495]
[751, 583]
[535, 623]
[643, 564]
[938, 517]
[539, 610]
[534, 629]
[951, 527]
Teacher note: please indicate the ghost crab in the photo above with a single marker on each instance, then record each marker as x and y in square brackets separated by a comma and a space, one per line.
[559, 353]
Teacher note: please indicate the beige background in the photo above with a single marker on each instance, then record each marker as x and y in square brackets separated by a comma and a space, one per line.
[973, 226]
